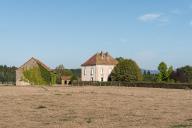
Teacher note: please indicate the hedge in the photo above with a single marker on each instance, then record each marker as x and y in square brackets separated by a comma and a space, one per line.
[135, 84]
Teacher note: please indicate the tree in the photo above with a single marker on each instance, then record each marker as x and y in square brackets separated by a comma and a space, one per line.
[126, 70]
[60, 71]
[164, 72]
[183, 74]
[119, 59]
[7, 74]
[148, 76]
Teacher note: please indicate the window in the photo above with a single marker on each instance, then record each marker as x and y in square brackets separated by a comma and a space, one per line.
[85, 71]
[102, 72]
[92, 71]
[101, 79]
[91, 78]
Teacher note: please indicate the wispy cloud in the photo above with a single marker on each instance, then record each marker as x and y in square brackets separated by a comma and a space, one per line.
[160, 18]
[149, 17]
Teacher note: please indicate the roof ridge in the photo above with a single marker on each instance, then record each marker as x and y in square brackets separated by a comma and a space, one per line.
[38, 61]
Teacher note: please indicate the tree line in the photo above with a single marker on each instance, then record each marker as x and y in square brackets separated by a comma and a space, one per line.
[7, 74]
[129, 71]
[126, 70]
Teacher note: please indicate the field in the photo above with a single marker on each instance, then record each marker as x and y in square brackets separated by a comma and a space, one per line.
[94, 107]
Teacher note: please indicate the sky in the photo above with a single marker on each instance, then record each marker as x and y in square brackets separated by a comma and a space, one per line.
[68, 32]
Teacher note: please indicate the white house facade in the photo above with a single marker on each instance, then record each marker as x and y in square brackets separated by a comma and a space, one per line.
[98, 67]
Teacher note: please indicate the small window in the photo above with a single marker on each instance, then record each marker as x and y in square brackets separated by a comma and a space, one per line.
[85, 72]
[92, 71]
[91, 78]
[102, 72]
[101, 79]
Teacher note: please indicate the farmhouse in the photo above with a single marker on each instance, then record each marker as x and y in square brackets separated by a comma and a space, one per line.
[98, 67]
[33, 72]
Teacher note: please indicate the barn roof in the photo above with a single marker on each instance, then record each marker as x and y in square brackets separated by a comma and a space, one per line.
[38, 62]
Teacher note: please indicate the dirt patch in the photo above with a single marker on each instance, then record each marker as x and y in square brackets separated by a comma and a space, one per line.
[94, 107]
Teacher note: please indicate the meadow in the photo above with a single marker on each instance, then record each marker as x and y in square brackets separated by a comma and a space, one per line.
[94, 107]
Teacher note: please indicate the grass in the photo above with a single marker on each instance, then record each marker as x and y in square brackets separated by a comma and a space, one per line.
[41, 107]
[58, 94]
[182, 126]
[69, 94]
[188, 124]
[88, 120]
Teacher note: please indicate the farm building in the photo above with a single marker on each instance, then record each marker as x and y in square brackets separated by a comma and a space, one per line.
[98, 67]
[34, 72]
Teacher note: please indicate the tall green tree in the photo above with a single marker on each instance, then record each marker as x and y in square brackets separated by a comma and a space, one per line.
[164, 72]
[126, 70]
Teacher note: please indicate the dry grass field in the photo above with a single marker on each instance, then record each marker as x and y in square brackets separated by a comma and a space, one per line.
[94, 107]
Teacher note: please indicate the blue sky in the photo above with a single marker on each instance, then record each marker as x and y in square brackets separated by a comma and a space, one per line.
[70, 31]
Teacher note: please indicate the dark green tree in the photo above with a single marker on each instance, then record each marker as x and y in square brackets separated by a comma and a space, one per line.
[126, 70]
[7, 74]
[183, 74]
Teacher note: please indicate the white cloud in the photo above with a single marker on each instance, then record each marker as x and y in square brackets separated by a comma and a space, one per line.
[150, 17]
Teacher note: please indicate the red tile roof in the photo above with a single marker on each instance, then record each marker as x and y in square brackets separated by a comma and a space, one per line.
[100, 59]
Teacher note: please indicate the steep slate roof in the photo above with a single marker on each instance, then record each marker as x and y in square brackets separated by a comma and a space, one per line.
[38, 62]
[100, 59]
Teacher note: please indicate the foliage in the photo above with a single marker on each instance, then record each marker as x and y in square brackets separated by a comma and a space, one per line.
[59, 70]
[7, 74]
[76, 72]
[73, 78]
[164, 72]
[39, 76]
[68, 72]
[136, 84]
[126, 70]
[183, 74]
[147, 76]
[119, 59]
